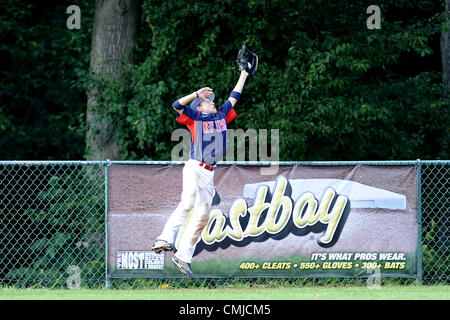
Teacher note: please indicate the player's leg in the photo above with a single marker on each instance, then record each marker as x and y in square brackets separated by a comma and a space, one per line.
[177, 218]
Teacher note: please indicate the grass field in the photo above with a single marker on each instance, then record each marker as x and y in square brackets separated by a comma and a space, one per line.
[305, 293]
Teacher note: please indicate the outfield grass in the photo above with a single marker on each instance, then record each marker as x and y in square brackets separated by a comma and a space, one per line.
[304, 293]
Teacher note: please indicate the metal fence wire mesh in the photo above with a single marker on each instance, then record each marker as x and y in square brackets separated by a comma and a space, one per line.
[52, 230]
[435, 211]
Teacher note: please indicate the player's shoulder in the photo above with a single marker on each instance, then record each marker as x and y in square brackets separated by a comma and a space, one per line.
[220, 115]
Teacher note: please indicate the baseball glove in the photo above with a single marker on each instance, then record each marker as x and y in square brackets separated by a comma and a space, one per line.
[247, 60]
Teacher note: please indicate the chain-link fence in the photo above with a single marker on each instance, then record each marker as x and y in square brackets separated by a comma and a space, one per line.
[52, 224]
[52, 230]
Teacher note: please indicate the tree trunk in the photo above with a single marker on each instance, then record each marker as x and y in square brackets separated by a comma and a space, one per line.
[445, 54]
[114, 33]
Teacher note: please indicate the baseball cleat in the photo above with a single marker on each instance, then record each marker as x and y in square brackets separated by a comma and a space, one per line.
[161, 245]
[184, 267]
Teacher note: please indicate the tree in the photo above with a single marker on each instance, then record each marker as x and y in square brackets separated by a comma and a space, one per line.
[115, 30]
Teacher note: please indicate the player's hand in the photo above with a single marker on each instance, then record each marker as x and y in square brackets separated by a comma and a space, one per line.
[204, 92]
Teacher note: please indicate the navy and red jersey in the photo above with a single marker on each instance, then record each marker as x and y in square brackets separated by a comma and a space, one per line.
[208, 132]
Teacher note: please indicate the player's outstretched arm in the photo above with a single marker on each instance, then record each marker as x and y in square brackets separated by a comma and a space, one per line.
[239, 86]
[182, 102]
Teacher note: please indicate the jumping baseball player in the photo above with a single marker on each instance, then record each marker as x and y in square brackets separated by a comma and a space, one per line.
[208, 128]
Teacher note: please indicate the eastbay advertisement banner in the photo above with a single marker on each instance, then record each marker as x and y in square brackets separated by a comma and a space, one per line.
[302, 221]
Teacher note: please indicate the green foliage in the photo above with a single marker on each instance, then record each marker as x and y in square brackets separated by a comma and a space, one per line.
[334, 89]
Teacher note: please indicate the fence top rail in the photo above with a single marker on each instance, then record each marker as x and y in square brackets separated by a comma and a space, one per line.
[243, 163]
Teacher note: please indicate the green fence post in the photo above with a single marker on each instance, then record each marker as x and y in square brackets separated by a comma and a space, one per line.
[419, 221]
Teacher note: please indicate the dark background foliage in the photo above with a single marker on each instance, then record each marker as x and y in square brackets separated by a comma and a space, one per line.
[42, 110]
[334, 89]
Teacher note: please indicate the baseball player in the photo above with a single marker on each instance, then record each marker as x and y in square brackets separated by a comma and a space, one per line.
[208, 128]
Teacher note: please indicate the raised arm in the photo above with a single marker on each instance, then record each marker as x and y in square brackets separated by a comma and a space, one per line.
[239, 86]
[182, 102]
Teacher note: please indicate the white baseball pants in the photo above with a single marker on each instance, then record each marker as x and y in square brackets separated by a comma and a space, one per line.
[198, 192]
